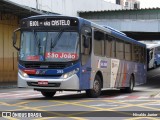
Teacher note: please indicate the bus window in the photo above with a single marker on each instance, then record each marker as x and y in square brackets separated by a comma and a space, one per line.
[142, 55]
[119, 49]
[86, 45]
[135, 53]
[113, 49]
[108, 43]
[98, 43]
[128, 51]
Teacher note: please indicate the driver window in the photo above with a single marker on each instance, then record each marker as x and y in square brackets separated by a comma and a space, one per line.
[86, 43]
[86, 40]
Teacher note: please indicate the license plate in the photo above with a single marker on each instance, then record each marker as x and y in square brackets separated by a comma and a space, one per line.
[43, 83]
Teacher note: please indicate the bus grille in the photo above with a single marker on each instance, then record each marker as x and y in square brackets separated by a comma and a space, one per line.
[49, 76]
[45, 66]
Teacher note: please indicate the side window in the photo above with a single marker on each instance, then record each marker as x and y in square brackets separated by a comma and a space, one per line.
[113, 47]
[128, 51]
[119, 49]
[143, 55]
[108, 45]
[98, 43]
[136, 53]
[139, 53]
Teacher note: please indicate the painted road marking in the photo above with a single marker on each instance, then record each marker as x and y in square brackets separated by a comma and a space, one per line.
[35, 94]
[101, 105]
[157, 96]
[95, 108]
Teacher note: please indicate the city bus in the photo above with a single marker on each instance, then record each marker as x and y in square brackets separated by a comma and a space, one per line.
[153, 55]
[63, 53]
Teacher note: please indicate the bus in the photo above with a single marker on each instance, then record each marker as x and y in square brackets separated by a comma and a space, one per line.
[63, 53]
[153, 55]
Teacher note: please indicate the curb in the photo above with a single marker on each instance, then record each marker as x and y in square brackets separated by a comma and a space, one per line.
[7, 86]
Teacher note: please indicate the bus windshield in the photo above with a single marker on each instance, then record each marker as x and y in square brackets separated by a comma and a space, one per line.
[58, 46]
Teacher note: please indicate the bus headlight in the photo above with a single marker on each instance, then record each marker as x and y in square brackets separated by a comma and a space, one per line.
[69, 74]
[23, 73]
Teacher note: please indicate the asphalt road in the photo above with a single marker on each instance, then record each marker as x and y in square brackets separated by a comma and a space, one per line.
[143, 103]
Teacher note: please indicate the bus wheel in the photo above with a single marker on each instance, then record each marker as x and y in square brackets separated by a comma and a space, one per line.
[48, 94]
[96, 90]
[130, 88]
[154, 65]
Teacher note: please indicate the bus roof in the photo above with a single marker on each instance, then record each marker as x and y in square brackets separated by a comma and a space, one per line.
[109, 30]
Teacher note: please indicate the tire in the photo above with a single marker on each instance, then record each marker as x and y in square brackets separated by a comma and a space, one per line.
[131, 86]
[96, 90]
[48, 94]
[154, 65]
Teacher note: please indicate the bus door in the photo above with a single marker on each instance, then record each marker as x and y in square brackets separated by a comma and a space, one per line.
[114, 63]
[86, 45]
[114, 71]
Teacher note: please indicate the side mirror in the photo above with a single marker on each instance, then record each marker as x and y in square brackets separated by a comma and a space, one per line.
[86, 42]
[14, 38]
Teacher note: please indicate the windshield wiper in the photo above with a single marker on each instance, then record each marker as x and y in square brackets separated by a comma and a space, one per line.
[35, 37]
[54, 41]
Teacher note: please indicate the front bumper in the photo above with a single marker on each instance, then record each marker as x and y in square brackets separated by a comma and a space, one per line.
[70, 83]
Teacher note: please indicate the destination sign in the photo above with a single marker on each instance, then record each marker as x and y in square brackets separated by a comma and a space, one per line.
[50, 23]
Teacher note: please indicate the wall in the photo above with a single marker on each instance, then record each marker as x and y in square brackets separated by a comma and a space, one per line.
[131, 25]
[8, 55]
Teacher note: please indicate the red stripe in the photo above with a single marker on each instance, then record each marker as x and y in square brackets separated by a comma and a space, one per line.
[32, 72]
[124, 75]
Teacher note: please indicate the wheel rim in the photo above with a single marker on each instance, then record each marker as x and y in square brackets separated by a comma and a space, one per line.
[154, 65]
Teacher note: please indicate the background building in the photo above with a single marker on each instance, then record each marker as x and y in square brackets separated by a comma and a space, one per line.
[11, 13]
[10, 16]
[120, 2]
[70, 7]
[132, 4]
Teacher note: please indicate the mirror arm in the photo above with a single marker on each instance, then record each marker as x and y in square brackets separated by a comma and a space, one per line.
[17, 30]
[16, 48]
[14, 38]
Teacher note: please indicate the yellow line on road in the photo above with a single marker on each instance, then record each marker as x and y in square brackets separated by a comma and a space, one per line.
[20, 103]
[76, 104]
[82, 105]
[47, 118]
[3, 103]
[96, 109]
[134, 105]
[40, 107]
[63, 103]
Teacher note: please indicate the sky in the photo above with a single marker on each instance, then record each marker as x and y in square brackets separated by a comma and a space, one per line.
[144, 3]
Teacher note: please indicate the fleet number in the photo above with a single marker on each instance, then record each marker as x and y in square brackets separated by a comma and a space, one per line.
[59, 71]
